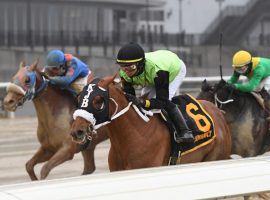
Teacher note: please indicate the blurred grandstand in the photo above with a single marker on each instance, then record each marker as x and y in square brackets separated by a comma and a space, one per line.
[95, 29]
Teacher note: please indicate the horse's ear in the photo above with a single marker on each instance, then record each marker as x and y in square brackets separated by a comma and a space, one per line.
[22, 64]
[105, 82]
[33, 67]
[221, 83]
[204, 83]
[38, 70]
[205, 86]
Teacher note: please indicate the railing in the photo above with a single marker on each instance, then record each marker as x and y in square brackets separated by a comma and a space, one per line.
[88, 38]
[4, 113]
[207, 180]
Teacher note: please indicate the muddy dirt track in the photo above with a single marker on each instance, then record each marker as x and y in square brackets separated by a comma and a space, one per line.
[18, 142]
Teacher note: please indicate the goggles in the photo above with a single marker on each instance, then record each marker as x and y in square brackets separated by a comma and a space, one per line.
[129, 67]
[241, 69]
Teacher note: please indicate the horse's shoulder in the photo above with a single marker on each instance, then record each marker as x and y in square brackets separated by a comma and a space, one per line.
[205, 103]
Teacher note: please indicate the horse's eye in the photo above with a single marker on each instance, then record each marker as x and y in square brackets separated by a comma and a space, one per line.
[98, 103]
[27, 80]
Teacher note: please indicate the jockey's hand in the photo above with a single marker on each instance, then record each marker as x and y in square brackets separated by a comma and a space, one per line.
[45, 75]
[231, 87]
[136, 101]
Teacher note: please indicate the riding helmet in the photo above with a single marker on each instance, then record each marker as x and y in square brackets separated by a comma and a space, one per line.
[130, 53]
[241, 58]
[55, 58]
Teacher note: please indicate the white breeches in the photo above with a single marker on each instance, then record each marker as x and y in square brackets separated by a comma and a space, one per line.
[264, 83]
[173, 86]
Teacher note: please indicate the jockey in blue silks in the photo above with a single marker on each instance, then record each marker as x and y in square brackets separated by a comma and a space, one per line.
[66, 71]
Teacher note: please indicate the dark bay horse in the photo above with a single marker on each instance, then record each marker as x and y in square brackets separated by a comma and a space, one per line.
[54, 108]
[135, 143]
[244, 115]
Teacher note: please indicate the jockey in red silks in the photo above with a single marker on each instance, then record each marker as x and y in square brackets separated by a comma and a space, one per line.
[66, 71]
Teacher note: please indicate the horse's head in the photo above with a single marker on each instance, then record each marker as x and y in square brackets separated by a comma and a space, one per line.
[22, 86]
[93, 108]
[207, 91]
[221, 90]
[224, 92]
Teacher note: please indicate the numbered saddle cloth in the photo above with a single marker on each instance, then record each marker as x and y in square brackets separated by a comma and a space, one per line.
[198, 120]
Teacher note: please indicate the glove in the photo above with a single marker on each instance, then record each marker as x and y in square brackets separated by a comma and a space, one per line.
[45, 75]
[231, 87]
[136, 101]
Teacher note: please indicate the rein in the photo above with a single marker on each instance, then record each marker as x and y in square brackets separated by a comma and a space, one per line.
[217, 100]
[230, 100]
[90, 117]
[115, 114]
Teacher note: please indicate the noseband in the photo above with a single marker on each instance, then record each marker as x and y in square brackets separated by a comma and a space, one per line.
[97, 118]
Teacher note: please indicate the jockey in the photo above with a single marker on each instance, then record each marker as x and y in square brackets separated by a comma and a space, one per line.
[66, 71]
[256, 69]
[160, 73]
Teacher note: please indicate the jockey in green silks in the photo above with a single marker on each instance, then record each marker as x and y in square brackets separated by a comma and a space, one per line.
[256, 69]
[160, 73]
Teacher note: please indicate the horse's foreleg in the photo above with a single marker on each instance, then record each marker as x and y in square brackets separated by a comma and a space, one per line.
[88, 154]
[89, 161]
[40, 156]
[65, 153]
[114, 160]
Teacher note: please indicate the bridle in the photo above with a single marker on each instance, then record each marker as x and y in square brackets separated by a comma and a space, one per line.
[86, 110]
[219, 103]
[30, 92]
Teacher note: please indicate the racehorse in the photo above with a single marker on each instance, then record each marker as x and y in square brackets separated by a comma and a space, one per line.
[244, 115]
[135, 143]
[54, 108]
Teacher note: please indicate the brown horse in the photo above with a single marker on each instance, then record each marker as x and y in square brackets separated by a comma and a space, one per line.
[54, 108]
[135, 143]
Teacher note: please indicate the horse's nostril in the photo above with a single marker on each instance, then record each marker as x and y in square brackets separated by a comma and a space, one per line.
[9, 102]
[80, 133]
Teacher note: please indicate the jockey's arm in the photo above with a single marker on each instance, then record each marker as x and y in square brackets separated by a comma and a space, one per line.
[72, 73]
[127, 87]
[252, 84]
[234, 78]
[162, 91]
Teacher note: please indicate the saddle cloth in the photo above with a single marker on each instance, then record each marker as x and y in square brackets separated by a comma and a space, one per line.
[198, 120]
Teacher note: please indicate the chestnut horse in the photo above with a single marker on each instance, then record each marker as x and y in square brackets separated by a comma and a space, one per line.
[244, 115]
[54, 108]
[134, 142]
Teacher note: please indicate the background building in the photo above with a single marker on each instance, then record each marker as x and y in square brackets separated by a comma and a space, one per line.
[95, 29]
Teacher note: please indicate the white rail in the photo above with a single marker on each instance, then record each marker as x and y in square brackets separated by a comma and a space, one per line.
[193, 181]
[3, 84]
[187, 79]
[208, 78]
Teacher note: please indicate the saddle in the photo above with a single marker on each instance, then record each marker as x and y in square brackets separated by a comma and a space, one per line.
[198, 120]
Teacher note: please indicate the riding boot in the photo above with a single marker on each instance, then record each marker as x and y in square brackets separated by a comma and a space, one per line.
[183, 133]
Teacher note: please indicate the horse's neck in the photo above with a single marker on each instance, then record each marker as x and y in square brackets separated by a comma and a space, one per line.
[53, 102]
[240, 107]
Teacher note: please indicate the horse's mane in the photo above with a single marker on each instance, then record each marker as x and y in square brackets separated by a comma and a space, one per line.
[225, 87]
[223, 91]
